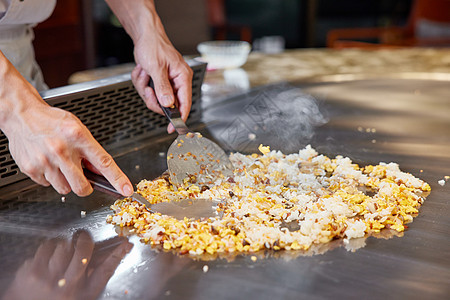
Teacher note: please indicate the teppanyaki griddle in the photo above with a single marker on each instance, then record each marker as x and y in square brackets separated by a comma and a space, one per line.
[401, 119]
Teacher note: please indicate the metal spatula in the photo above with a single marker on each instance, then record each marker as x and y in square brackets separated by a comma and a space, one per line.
[193, 158]
[189, 208]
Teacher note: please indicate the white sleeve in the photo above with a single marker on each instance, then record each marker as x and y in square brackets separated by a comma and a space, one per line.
[16, 12]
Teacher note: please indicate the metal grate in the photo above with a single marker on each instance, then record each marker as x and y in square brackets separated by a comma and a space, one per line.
[111, 109]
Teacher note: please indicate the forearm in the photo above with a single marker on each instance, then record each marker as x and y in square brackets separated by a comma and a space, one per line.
[16, 95]
[155, 57]
[138, 17]
[47, 143]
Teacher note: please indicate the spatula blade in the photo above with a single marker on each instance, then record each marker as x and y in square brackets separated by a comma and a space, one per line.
[193, 158]
[189, 208]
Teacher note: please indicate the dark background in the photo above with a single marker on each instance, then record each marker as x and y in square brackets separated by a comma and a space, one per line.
[84, 34]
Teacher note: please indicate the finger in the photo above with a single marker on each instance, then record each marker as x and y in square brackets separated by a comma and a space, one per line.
[152, 103]
[183, 85]
[101, 274]
[76, 179]
[34, 168]
[140, 80]
[105, 164]
[150, 100]
[40, 179]
[60, 259]
[170, 128]
[84, 246]
[89, 166]
[89, 149]
[57, 180]
[135, 72]
[162, 87]
[40, 262]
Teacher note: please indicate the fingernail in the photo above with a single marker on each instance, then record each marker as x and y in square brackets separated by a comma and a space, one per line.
[127, 190]
[142, 74]
[166, 100]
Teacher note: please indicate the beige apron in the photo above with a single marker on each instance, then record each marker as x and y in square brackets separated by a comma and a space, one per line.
[16, 35]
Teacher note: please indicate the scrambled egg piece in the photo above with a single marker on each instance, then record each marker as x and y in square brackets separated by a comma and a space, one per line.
[264, 149]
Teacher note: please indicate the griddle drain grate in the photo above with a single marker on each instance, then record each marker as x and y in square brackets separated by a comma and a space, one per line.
[111, 109]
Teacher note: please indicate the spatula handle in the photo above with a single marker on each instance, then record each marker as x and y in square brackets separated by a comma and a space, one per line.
[173, 115]
[100, 183]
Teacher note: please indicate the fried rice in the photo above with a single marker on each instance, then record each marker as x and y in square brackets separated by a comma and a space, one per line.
[323, 198]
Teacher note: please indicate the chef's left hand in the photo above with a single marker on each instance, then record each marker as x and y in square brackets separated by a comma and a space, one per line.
[155, 57]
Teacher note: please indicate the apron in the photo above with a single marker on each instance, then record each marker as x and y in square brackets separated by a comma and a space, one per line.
[16, 35]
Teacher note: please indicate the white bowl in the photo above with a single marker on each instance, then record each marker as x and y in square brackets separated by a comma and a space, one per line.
[224, 54]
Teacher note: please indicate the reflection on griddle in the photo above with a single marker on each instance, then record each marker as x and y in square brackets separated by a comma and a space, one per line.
[74, 268]
[351, 245]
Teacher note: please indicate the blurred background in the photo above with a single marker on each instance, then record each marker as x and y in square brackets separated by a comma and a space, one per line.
[85, 34]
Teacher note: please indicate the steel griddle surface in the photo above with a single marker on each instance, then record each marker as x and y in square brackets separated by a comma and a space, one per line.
[369, 120]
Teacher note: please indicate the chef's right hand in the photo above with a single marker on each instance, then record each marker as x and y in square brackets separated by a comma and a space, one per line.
[50, 144]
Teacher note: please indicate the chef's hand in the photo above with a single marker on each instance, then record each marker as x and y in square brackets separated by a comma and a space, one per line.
[172, 78]
[155, 57]
[49, 144]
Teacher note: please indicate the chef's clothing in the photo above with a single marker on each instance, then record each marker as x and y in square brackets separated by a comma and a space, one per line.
[17, 19]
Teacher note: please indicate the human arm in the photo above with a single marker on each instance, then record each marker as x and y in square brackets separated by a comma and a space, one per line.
[155, 57]
[49, 144]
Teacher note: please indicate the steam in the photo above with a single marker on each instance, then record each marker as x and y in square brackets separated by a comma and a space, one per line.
[281, 116]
